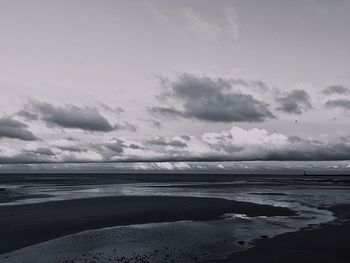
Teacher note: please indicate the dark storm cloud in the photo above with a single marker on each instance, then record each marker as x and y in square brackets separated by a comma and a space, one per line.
[212, 100]
[10, 128]
[345, 104]
[296, 101]
[336, 89]
[72, 117]
[160, 141]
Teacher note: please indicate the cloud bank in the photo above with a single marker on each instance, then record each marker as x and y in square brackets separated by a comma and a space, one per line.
[235, 144]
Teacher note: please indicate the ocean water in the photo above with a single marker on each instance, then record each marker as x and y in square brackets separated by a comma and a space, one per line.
[184, 241]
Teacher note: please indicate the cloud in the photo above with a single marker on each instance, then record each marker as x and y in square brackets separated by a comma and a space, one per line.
[336, 89]
[211, 100]
[10, 128]
[312, 150]
[7, 152]
[296, 101]
[173, 142]
[44, 151]
[202, 26]
[239, 144]
[67, 144]
[29, 154]
[162, 166]
[118, 145]
[88, 119]
[106, 107]
[84, 156]
[125, 126]
[213, 27]
[35, 149]
[259, 144]
[208, 24]
[237, 140]
[235, 144]
[54, 152]
[156, 124]
[169, 112]
[345, 104]
[27, 115]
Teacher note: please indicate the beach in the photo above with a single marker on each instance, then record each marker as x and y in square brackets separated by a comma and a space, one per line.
[25, 225]
[323, 243]
[171, 218]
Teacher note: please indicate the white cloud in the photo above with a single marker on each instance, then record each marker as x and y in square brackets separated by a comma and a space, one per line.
[82, 156]
[7, 151]
[239, 137]
[162, 166]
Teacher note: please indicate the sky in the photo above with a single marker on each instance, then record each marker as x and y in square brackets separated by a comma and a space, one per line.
[174, 82]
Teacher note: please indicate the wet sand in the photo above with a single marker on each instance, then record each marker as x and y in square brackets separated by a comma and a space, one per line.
[326, 243]
[25, 225]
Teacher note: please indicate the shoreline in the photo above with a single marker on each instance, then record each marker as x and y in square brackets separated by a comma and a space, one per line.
[25, 225]
[328, 242]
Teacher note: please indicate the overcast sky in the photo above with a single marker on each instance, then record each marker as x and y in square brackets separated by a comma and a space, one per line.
[174, 81]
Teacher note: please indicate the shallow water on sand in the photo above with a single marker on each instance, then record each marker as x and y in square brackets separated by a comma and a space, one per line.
[184, 241]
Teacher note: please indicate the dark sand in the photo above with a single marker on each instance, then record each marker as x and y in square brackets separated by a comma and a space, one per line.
[328, 243]
[25, 225]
